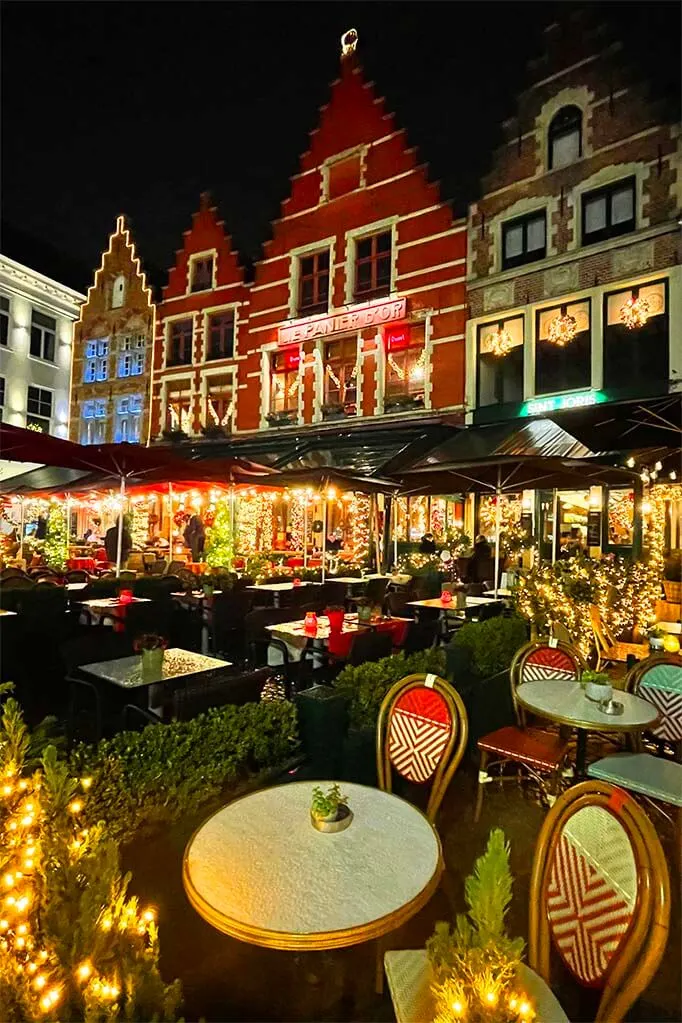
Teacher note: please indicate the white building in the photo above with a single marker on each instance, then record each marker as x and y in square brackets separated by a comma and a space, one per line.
[37, 316]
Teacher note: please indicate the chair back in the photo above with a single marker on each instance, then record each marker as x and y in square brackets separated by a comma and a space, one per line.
[658, 679]
[77, 575]
[420, 636]
[18, 582]
[197, 697]
[422, 734]
[152, 617]
[136, 562]
[544, 659]
[370, 645]
[174, 566]
[12, 573]
[158, 567]
[600, 895]
[602, 635]
[375, 591]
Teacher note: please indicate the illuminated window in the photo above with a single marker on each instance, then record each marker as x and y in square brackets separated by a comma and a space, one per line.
[621, 517]
[201, 273]
[96, 365]
[4, 320]
[93, 421]
[285, 381]
[405, 364]
[373, 257]
[219, 401]
[565, 137]
[313, 283]
[118, 292]
[131, 355]
[563, 366]
[220, 336]
[43, 336]
[340, 372]
[128, 419]
[38, 408]
[523, 240]
[499, 379]
[637, 355]
[180, 343]
[608, 212]
[179, 406]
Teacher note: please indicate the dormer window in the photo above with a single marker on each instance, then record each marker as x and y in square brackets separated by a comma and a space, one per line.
[201, 274]
[118, 292]
[313, 283]
[565, 138]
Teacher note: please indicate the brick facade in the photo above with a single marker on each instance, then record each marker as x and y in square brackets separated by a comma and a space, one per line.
[626, 136]
[101, 407]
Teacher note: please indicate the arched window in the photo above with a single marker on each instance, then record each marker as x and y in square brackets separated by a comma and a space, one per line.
[118, 292]
[565, 137]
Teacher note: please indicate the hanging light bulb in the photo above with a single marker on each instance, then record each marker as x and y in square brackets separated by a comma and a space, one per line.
[673, 475]
[562, 329]
[644, 476]
[630, 462]
[635, 312]
[500, 341]
[658, 466]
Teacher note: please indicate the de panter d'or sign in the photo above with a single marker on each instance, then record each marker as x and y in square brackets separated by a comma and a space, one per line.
[320, 326]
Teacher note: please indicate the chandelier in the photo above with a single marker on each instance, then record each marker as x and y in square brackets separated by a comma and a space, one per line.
[635, 312]
[562, 329]
[500, 341]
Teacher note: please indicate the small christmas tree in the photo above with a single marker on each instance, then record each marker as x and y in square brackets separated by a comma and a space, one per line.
[219, 543]
[73, 946]
[475, 965]
[56, 545]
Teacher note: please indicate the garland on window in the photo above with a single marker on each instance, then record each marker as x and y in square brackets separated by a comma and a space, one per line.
[401, 373]
[180, 417]
[218, 421]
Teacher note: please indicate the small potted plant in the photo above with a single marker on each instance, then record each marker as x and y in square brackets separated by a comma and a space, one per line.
[597, 686]
[656, 637]
[329, 811]
[151, 648]
[364, 611]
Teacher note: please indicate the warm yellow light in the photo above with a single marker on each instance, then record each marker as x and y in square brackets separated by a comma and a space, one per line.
[630, 462]
[148, 915]
[4, 924]
[457, 1008]
[28, 864]
[22, 903]
[27, 821]
[331, 493]
[20, 942]
[106, 923]
[524, 1008]
[86, 783]
[490, 997]
[40, 982]
[646, 507]
[45, 1003]
[22, 928]
[76, 806]
[513, 1002]
[9, 880]
[84, 971]
[7, 790]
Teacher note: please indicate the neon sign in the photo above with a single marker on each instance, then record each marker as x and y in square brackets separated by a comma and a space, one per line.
[561, 402]
[320, 326]
[397, 338]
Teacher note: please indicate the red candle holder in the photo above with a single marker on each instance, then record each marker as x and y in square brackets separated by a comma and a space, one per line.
[446, 597]
[310, 622]
[297, 582]
[125, 597]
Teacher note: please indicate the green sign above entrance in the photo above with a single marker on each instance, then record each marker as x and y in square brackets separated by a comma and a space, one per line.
[560, 402]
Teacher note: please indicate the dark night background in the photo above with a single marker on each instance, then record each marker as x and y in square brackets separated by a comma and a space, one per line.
[137, 107]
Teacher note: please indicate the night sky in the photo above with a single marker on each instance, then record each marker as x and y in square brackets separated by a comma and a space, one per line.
[138, 107]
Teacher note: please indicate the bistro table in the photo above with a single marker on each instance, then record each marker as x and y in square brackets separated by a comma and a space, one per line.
[566, 704]
[259, 871]
[178, 665]
[202, 601]
[297, 637]
[110, 607]
[351, 581]
[276, 588]
[75, 587]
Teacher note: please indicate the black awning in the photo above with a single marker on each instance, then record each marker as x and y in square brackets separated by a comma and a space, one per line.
[539, 438]
[48, 478]
[626, 425]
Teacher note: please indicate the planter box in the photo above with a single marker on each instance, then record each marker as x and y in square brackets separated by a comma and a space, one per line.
[281, 418]
[214, 432]
[323, 720]
[359, 757]
[175, 436]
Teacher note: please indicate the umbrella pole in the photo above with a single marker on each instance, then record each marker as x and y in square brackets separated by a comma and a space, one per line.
[377, 552]
[119, 539]
[324, 537]
[555, 524]
[498, 515]
[170, 523]
[394, 509]
[305, 531]
[21, 529]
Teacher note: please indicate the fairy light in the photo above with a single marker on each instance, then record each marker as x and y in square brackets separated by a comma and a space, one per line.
[500, 342]
[635, 312]
[562, 329]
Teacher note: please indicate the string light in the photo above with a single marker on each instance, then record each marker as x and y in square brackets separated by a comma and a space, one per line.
[562, 329]
[635, 312]
[500, 342]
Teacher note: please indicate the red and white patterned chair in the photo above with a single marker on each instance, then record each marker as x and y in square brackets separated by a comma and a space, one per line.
[539, 752]
[658, 679]
[421, 733]
[600, 895]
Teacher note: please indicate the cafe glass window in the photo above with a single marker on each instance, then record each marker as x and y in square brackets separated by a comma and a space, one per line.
[565, 137]
[38, 408]
[562, 348]
[313, 283]
[621, 518]
[284, 381]
[373, 256]
[340, 372]
[500, 362]
[636, 339]
[219, 402]
[180, 343]
[524, 240]
[220, 336]
[405, 364]
[43, 336]
[179, 407]
[201, 273]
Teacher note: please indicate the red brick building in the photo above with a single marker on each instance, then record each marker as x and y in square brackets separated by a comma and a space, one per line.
[357, 307]
[199, 323]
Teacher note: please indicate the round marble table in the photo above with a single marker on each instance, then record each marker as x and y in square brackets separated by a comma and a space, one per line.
[566, 703]
[259, 871]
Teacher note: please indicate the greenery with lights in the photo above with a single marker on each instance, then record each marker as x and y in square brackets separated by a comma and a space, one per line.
[56, 546]
[73, 944]
[475, 964]
[364, 686]
[219, 541]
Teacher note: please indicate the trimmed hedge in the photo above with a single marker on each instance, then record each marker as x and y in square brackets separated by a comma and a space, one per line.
[365, 686]
[491, 644]
[141, 779]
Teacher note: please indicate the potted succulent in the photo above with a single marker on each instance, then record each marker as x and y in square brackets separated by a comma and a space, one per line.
[597, 686]
[329, 810]
[151, 648]
[656, 637]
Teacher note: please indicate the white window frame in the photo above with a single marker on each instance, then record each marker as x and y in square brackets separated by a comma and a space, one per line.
[267, 351]
[168, 320]
[174, 379]
[355, 235]
[360, 151]
[218, 371]
[129, 416]
[6, 314]
[195, 257]
[43, 332]
[120, 283]
[206, 314]
[295, 256]
[35, 415]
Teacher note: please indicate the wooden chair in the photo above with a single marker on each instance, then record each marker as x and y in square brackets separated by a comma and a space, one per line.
[539, 752]
[600, 895]
[609, 649]
[422, 733]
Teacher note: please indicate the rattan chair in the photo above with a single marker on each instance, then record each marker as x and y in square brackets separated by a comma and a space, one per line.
[609, 649]
[600, 895]
[422, 733]
[538, 752]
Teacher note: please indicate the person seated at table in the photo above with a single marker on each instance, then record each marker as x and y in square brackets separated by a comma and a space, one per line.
[428, 544]
[480, 567]
[93, 534]
[335, 540]
[111, 543]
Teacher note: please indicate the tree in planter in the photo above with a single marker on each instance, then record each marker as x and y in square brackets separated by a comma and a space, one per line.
[73, 945]
[56, 545]
[219, 542]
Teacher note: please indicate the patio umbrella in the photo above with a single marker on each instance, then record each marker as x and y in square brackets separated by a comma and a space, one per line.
[627, 425]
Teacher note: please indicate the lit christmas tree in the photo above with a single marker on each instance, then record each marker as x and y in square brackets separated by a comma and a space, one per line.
[72, 944]
[219, 544]
[56, 545]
